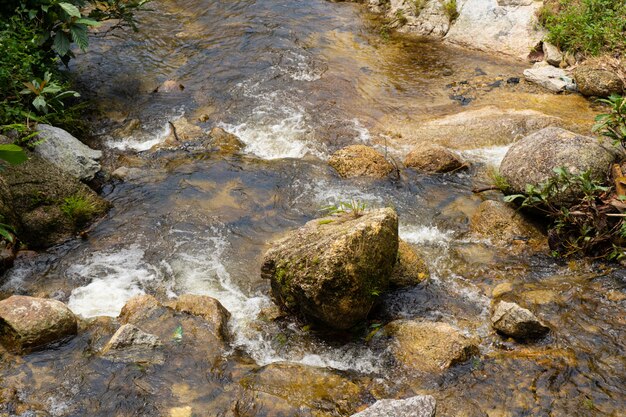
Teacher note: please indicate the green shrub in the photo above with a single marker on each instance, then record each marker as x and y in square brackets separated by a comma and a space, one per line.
[79, 208]
[451, 9]
[613, 124]
[591, 27]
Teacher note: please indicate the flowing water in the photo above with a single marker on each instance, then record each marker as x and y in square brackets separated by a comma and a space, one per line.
[296, 81]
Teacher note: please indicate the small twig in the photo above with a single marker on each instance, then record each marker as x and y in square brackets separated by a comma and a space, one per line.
[174, 131]
[483, 189]
[616, 214]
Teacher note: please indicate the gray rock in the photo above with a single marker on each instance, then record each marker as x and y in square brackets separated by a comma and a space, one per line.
[67, 153]
[532, 160]
[29, 323]
[505, 26]
[430, 19]
[332, 270]
[418, 406]
[547, 76]
[552, 54]
[131, 344]
[512, 320]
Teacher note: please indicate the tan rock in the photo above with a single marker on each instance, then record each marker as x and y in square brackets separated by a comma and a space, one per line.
[206, 307]
[430, 347]
[433, 158]
[410, 268]
[225, 142]
[360, 161]
[186, 411]
[182, 131]
[131, 344]
[28, 323]
[594, 79]
[512, 320]
[307, 386]
[501, 289]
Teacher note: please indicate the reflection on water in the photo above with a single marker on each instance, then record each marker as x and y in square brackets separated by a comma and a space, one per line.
[296, 81]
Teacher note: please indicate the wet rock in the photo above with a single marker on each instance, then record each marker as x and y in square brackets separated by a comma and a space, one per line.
[532, 160]
[7, 257]
[225, 142]
[331, 270]
[29, 323]
[186, 411]
[182, 131]
[306, 386]
[430, 347]
[547, 76]
[360, 161]
[206, 307]
[418, 406]
[67, 153]
[502, 224]
[512, 320]
[506, 26]
[130, 127]
[597, 81]
[552, 54]
[501, 289]
[410, 268]
[44, 201]
[170, 86]
[426, 18]
[196, 323]
[131, 344]
[433, 159]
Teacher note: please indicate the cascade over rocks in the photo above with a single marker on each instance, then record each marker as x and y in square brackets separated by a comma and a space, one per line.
[532, 160]
[29, 323]
[429, 347]
[360, 161]
[331, 270]
[66, 152]
[418, 406]
[512, 320]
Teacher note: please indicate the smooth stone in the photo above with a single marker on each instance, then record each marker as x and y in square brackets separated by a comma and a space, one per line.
[512, 320]
[418, 406]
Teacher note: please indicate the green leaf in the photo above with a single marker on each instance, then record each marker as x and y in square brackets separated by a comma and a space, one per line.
[178, 334]
[6, 234]
[88, 22]
[512, 197]
[12, 154]
[79, 35]
[61, 44]
[40, 104]
[70, 9]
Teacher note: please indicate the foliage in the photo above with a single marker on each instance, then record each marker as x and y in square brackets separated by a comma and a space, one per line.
[588, 26]
[593, 226]
[6, 231]
[451, 10]
[354, 207]
[35, 37]
[613, 125]
[79, 208]
[498, 180]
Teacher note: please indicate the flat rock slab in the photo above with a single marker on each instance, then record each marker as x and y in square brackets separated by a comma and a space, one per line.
[29, 323]
[552, 78]
[69, 154]
[418, 406]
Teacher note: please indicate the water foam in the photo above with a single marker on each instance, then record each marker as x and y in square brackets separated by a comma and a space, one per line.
[489, 156]
[116, 276]
[425, 235]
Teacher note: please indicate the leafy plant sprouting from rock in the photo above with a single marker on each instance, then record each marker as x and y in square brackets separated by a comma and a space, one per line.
[613, 124]
[354, 207]
[592, 226]
[451, 9]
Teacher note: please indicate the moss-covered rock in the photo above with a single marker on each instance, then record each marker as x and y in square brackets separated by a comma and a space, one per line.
[596, 79]
[48, 204]
[333, 269]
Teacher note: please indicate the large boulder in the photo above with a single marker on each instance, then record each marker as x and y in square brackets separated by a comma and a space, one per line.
[198, 322]
[502, 224]
[512, 320]
[432, 158]
[49, 204]
[131, 344]
[332, 270]
[552, 78]
[29, 323]
[67, 153]
[533, 159]
[597, 80]
[360, 161]
[418, 406]
[506, 26]
[410, 267]
[426, 17]
[429, 347]
[305, 386]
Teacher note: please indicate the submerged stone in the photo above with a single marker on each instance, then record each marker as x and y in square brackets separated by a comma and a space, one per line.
[29, 323]
[332, 270]
[418, 406]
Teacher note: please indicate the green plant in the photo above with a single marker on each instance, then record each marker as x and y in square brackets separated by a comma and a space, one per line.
[79, 208]
[354, 207]
[613, 124]
[587, 26]
[591, 226]
[400, 17]
[451, 9]
[6, 231]
[417, 6]
[48, 94]
[498, 180]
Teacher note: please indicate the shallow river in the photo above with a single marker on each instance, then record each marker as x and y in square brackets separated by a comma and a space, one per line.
[296, 81]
